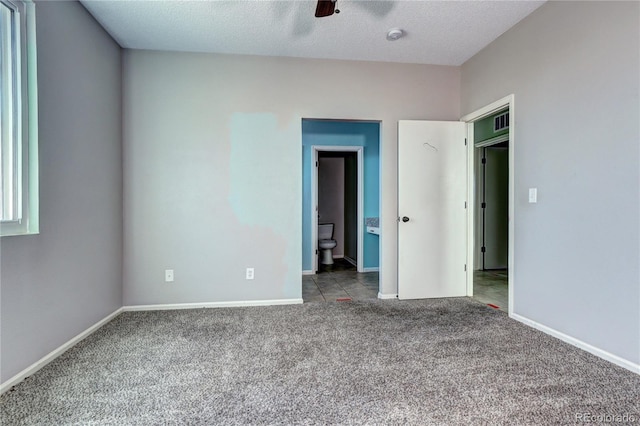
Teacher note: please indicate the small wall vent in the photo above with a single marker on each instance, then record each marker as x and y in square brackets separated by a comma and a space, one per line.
[501, 122]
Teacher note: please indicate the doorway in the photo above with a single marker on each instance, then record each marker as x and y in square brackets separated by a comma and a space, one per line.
[490, 233]
[492, 207]
[339, 196]
[348, 151]
[490, 276]
[363, 139]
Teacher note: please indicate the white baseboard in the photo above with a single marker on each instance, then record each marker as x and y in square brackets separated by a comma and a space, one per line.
[338, 256]
[376, 269]
[55, 353]
[351, 261]
[631, 366]
[387, 296]
[309, 272]
[171, 306]
[61, 349]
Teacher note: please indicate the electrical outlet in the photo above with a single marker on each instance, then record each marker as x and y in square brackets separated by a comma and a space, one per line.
[533, 195]
[249, 273]
[168, 275]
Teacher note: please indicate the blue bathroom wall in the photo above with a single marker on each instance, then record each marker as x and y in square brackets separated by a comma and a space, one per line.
[342, 133]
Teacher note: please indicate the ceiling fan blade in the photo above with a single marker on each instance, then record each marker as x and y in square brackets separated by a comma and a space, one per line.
[325, 8]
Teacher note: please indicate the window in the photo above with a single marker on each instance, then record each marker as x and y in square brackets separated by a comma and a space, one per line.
[18, 119]
[501, 122]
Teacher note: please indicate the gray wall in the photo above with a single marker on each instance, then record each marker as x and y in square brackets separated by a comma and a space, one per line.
[57, 284]
[213, 179]
[573, 67]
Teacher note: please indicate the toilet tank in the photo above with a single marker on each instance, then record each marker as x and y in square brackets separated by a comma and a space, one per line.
[325, 231]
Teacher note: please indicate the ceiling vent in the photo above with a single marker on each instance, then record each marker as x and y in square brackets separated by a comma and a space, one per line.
[501, 122]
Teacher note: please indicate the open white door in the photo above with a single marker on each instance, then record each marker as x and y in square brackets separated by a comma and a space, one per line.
[432, 227]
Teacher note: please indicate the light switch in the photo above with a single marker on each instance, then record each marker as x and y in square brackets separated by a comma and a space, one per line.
[533, 195]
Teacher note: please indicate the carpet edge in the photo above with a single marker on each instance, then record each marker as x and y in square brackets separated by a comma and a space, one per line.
[573, 341]
[33, 368]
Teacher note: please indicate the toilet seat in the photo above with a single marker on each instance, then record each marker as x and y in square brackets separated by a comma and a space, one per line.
[327, 243]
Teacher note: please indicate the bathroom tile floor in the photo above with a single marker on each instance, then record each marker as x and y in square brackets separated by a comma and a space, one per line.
[339, 281]
[492, 287]
[342, 281]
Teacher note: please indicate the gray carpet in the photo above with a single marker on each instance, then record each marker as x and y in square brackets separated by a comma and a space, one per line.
[443, 361]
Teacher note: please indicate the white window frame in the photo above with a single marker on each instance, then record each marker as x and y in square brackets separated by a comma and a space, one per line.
[19, 144]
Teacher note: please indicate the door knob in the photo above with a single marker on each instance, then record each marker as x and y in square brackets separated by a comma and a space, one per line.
[405, 219]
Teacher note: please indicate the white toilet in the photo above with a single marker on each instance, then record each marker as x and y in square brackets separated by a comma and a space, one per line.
[326, 243]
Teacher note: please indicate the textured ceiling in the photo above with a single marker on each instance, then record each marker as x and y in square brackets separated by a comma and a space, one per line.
[437, 32]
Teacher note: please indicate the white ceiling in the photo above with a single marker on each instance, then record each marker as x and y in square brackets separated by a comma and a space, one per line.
[437, 32]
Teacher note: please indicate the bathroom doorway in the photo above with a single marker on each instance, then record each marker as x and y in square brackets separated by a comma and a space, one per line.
[337, 195]
[346, 151]
[349, 140]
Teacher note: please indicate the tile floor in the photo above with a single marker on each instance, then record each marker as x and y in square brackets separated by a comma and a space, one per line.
[342, 281]
[492, 287]
[339, 281]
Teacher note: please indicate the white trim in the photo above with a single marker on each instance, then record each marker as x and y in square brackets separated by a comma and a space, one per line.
[64, 347]
[351, 261]
[490, 109]
[608, 356]
[373, 269]
[55, 353]
[359, 150]
[507, 101]
[471, 211]
[360, 183]
[337, 256]
[232, 304]
[387, 296]
[492, 141]
[26, 171]
[308, 272]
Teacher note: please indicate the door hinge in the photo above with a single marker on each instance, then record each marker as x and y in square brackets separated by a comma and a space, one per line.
[316, 251]
[316, 164]
[484, 161]
[465, 204]
[483, 249]
[483, 205]
[465, 267]
[465, 141]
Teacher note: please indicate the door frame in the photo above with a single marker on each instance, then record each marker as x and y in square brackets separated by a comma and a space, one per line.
[506, 102]
[315, 150]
